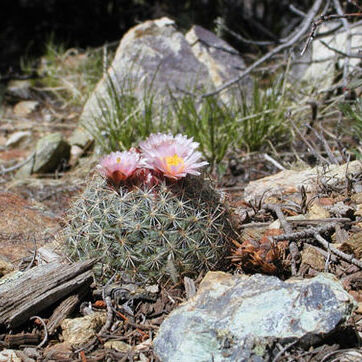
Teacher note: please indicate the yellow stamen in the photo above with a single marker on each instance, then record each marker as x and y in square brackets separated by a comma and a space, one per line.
[118, 159]
[173, 161]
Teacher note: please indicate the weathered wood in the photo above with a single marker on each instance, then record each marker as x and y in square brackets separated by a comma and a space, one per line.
[40, 287]
[64, 309]
[16, 340]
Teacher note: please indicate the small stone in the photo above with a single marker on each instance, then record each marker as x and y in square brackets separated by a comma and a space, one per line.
[17, 139]
[79, 331]
[5, 267]
[50, 152]
[313, 258]
[317, 211]
[75, 153]
[359, 309]
[19, 89]
[118, 346]
[59, 351]
[7, 355]
[24, 108]
[357, 198]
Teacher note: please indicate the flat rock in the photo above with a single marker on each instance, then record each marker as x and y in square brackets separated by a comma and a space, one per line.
[240, 318]
[290, 181]
[22, 224]
[119, 346]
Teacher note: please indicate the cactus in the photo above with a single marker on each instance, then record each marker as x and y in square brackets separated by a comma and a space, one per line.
[150, 216]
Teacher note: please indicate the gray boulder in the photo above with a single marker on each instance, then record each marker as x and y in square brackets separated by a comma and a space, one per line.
[221, 60]
[240, 318]
[153, 57]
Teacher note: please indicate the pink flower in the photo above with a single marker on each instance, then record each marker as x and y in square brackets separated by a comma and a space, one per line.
[119, 166]
[174, 156]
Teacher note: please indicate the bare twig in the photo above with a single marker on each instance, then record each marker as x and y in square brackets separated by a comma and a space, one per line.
[334, 250]
[293, 38]
[299, 235]
[293, 248]
[240, 37]
[358, 56]
[109, 321]
[3, 171]
[283, 350]
[320, 21]
[45, 339]
[274, 162]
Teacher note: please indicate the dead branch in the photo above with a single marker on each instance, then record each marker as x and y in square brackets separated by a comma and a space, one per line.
[291, 40]
[299, 235]
[45, 339]
[348, 55]
[320, 21]
[350, 258]
[109, 321]
[293, 248]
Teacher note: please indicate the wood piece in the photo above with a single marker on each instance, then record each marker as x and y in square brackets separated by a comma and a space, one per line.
[64, 309]
[39, 288]
[16, 340]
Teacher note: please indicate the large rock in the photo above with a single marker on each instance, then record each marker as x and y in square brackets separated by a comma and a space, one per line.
[154, 57]
[221, 60]
[240, 318]
[325, 62]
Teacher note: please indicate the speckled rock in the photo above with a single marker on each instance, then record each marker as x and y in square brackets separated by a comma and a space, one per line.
[240, 318]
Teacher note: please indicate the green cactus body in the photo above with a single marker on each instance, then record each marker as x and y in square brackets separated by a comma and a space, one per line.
[153, 234]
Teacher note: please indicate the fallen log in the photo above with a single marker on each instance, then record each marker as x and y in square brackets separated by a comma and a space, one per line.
[40, 287]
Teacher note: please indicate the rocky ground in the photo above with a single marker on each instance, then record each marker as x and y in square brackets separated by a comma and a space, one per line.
[301, 223]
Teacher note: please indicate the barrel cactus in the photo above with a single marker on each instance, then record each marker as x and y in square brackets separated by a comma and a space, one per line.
[150, 214]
